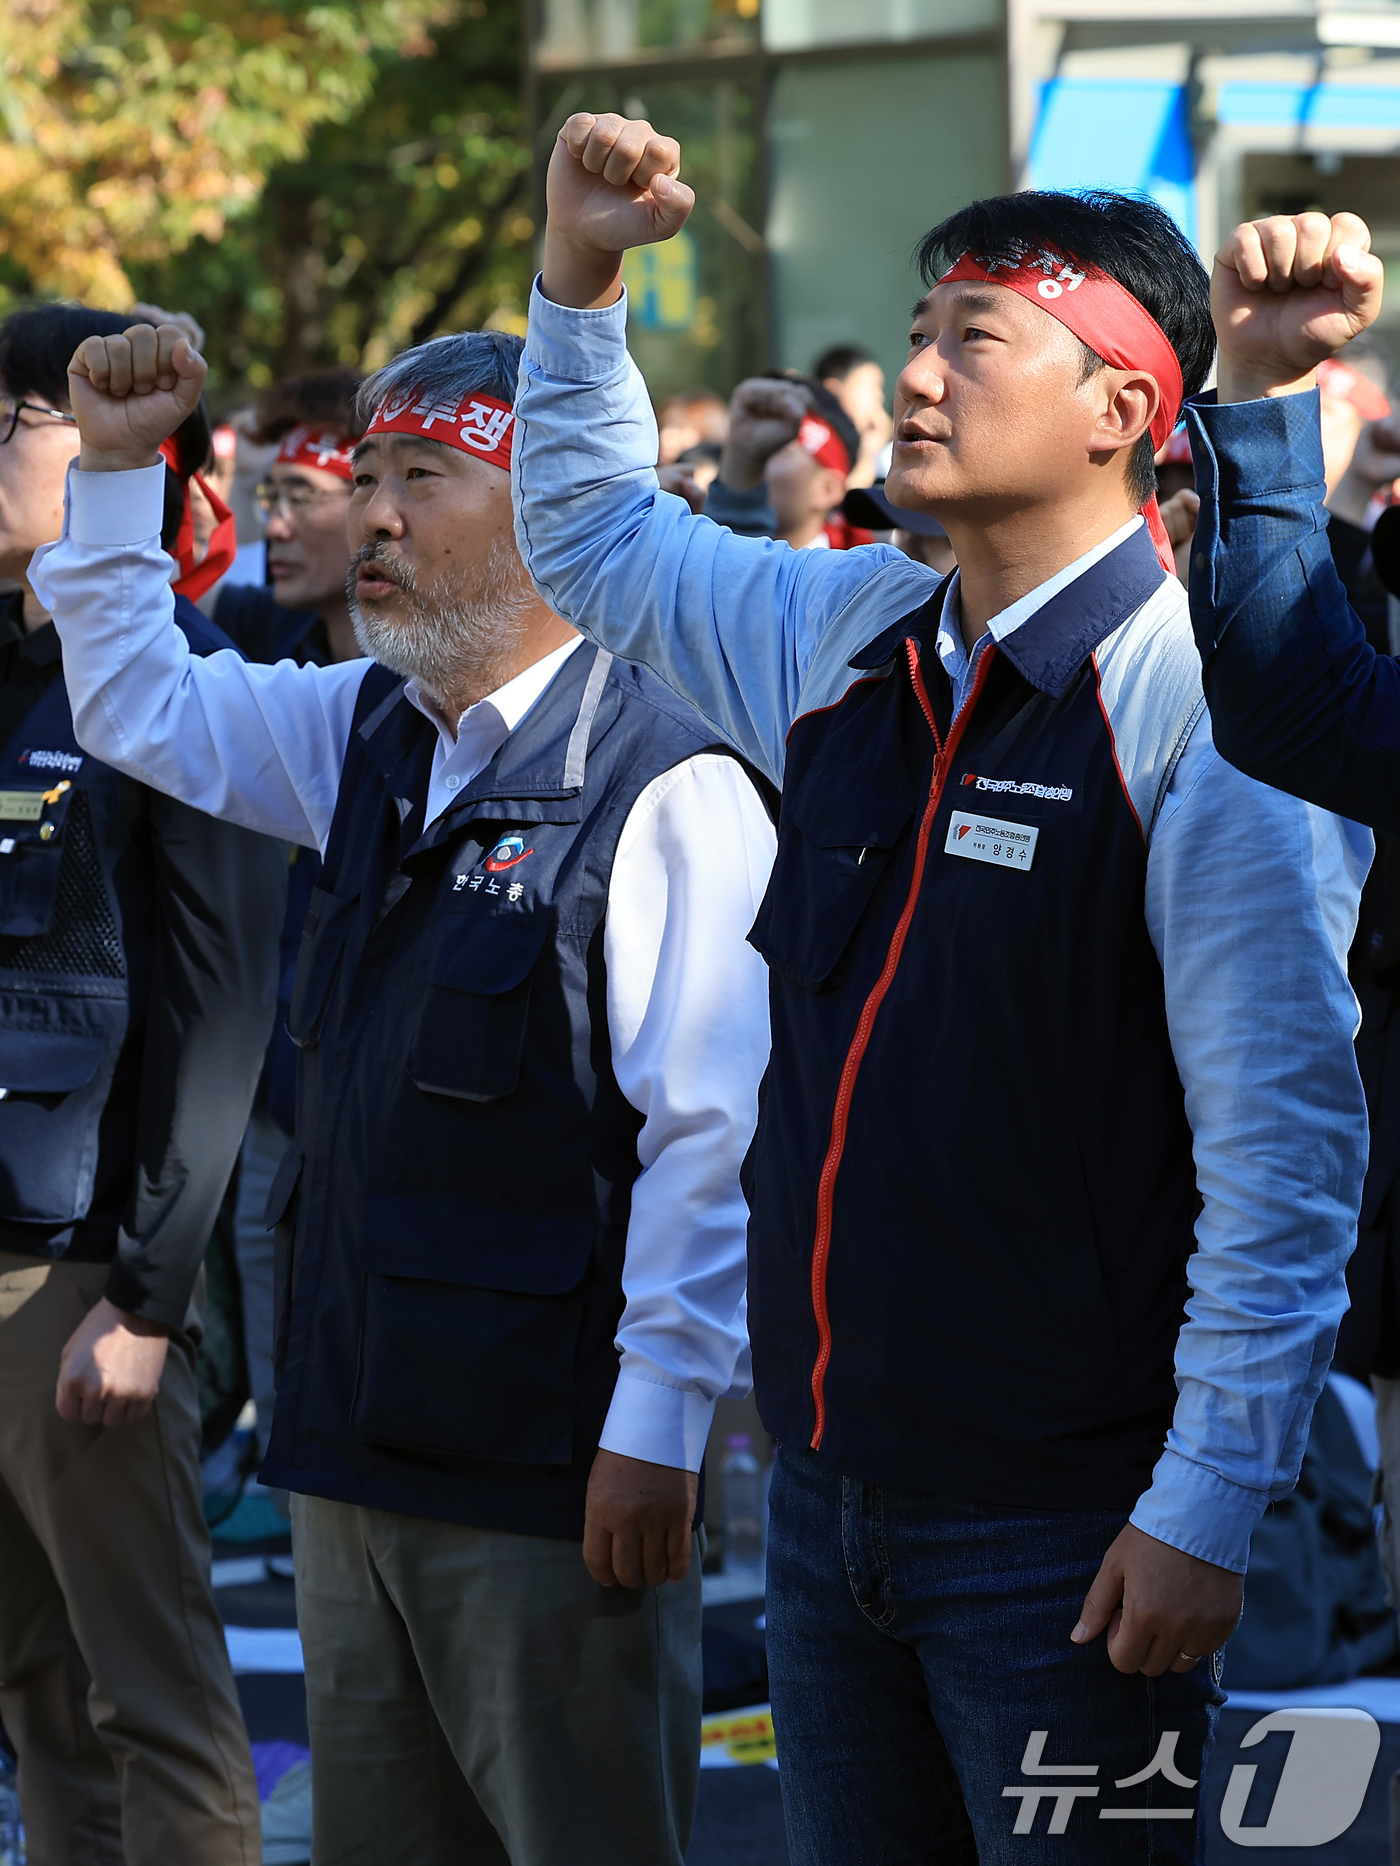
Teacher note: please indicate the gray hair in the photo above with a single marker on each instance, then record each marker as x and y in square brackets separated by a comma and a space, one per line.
[446, 369]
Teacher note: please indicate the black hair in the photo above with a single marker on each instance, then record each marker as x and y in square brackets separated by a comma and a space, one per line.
[826, 407]
[1126, 236]
[325, 398]
[447, 368]
[840, 361]
[36, 346]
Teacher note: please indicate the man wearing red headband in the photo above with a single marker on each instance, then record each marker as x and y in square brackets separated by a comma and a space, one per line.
[1061, 1142]
[531, 1034]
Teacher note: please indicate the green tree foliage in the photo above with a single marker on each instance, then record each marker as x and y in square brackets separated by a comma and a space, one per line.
[127, 131]
[409, 218]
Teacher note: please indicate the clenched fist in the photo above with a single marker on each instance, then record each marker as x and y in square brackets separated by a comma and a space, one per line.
[131, 392]
[613, 183]
[1286, 293]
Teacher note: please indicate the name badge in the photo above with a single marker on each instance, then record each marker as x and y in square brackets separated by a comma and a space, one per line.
[989, 839]
[21, 806]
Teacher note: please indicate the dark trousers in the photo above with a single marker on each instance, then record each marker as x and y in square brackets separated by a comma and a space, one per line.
[928, 1703]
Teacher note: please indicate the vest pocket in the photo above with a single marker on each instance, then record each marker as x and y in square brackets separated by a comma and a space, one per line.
[470, 1330]
[322, 944]
[53, 1080]
[471, 1033]
[836, 838]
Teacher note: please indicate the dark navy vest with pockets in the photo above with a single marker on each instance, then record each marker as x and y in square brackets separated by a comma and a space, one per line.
[455, 1207]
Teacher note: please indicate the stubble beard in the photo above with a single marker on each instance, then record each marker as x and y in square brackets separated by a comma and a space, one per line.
[457, 642]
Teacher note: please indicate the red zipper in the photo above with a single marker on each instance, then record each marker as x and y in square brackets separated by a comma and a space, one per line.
[826, 1185]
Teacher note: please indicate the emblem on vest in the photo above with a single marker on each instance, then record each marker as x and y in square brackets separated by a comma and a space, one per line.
[41, 760]
[1053, 793]
[508, 853]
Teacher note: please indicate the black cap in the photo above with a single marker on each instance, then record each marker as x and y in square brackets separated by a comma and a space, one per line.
[868, 507]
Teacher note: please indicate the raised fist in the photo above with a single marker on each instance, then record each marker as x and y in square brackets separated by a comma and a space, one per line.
[1286, 293]
[612, 184]
[131, 392]
[764, 415]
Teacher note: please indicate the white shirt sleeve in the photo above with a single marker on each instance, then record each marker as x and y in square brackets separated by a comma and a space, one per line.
[258, 746]
[688, 1020]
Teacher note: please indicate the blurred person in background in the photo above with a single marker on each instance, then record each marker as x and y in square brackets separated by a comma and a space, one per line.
[137, 978]
[302, 614]
[687, 421]
[857, 381]
[785, 465]
[532, 1032]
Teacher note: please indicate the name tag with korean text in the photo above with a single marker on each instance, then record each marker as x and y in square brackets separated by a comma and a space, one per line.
[989, 839]
[21, 806]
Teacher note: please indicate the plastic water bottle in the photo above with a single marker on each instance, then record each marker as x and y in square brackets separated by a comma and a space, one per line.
[11, 1827]
[743, 1505]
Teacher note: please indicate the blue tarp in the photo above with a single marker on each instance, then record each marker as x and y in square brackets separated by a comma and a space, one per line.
[1132, 134]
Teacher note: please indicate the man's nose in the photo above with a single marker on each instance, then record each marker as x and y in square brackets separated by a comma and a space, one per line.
[380, 516]
[278, 527]
[922, 380]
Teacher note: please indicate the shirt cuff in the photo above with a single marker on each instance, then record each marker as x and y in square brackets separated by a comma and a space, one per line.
[116, 508]
[576, 346]
[662, 1425]
[1270, 445]
[1194, 1509]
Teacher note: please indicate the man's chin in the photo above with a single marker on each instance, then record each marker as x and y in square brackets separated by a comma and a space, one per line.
[917, 489]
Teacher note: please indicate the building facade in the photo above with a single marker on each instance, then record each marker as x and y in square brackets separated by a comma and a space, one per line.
[824, 137]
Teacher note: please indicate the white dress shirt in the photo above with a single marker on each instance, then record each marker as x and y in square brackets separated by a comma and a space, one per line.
[686, 995]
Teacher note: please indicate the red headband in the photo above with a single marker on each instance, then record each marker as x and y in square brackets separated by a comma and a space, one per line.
[478, 424]
[1349, 385]
[321, 448]
[824, 444]
[195, 578]
[1106, 317]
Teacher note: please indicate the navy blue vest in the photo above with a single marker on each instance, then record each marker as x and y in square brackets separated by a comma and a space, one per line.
[77, 913]
[459, 1190]
[972, 1188]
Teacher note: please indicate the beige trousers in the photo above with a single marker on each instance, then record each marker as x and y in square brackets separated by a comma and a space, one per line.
[115, 1685]
[475, 1699]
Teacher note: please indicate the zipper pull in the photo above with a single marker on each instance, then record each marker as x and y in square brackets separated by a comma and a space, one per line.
[860, 859]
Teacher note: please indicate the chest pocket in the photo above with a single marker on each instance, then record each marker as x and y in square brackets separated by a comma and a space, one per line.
[476, 1003]
[837, 838]
[328, 921]
[33, 819]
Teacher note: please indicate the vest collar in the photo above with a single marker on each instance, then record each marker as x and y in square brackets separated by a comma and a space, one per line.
[540, 764]
[1050, 647]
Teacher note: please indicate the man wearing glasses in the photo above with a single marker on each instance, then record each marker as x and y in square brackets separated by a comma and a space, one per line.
[137, 978]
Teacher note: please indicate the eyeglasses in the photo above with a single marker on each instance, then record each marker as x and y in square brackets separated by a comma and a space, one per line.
[9, 416]
[293, 499]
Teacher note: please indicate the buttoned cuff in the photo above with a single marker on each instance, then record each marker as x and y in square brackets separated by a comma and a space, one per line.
[576, 346]
[1194, 1509]
[663, 1425]
[108, 509]
[1271, 445]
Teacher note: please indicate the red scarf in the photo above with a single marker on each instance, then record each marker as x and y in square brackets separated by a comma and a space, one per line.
[1113, 324]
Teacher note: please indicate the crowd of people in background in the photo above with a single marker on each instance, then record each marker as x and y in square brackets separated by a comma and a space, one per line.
[192, 868]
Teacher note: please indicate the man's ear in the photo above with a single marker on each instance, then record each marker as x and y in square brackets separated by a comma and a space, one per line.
[1127, 404]
[829, 488]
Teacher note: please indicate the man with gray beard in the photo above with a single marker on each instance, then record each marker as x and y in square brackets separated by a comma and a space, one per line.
[512, 1263]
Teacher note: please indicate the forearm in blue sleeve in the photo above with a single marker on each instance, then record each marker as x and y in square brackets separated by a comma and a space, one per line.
[1298, 697]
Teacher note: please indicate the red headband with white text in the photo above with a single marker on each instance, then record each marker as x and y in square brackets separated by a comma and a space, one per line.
[478, 424]
[1106, 317]
[321, 448]
[824, 444]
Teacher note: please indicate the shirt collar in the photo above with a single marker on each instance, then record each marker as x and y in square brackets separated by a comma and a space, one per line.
[493, 718]
[951, 651]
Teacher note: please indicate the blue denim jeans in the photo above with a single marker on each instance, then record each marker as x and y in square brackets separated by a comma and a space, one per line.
[929, 1706]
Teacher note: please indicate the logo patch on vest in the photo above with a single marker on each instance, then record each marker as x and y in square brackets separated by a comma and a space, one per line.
[1053, 793]
[40, 760]
[507, 853]
[989, 839]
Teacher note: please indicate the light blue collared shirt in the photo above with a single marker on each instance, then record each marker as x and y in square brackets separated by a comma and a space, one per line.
[1250, 898]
